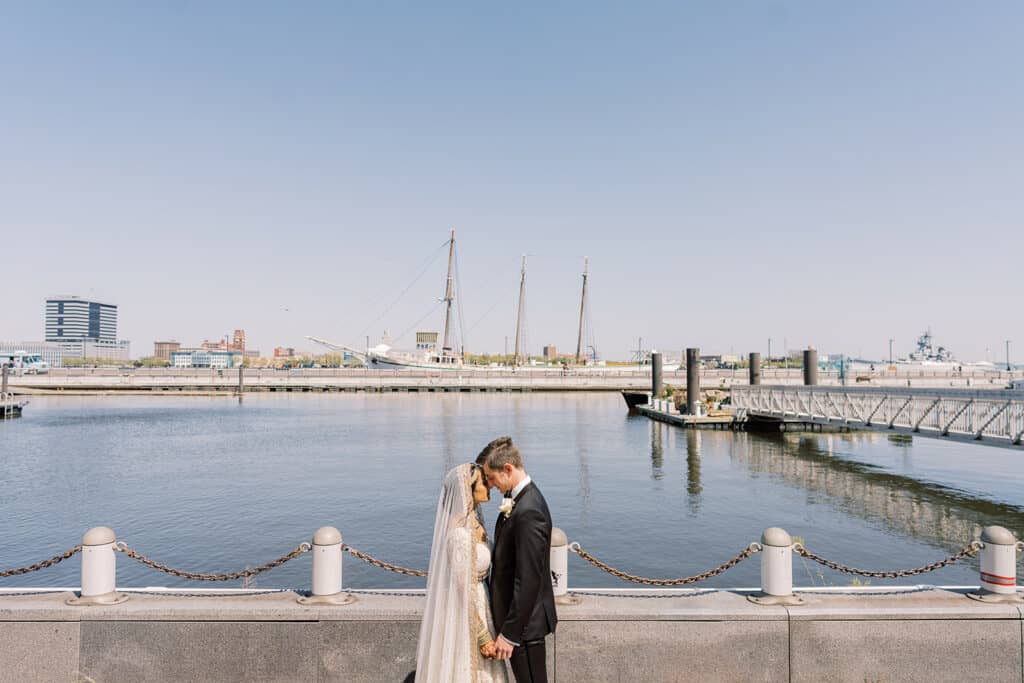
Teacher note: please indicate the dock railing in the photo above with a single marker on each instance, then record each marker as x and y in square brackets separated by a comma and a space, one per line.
[986, 416]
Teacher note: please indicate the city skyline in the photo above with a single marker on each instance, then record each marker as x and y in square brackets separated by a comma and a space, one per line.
[831, 176]
[774, 347]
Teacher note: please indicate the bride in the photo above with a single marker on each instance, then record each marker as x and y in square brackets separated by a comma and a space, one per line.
[456, 642]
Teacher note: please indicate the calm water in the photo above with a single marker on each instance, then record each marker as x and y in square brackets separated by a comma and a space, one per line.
[209, 484]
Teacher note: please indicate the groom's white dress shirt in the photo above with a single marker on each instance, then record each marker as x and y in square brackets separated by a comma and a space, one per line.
[520, 486]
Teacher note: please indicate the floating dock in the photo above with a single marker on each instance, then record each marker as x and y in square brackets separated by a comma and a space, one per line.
[663, 411]
[10, 407]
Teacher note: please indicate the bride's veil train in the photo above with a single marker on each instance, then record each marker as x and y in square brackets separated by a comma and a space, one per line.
[446, 648]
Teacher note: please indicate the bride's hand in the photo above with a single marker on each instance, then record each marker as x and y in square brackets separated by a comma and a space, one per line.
[487, 650]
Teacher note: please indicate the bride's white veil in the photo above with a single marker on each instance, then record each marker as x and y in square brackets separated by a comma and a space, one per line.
[447, 634]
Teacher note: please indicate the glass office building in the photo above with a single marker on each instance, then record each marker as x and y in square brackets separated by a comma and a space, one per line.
[84, 328]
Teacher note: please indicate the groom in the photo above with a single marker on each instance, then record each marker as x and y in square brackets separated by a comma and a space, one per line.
[522, 600]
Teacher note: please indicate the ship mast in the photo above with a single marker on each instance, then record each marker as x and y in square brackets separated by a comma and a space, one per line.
[583, 307]
[519, 313]
[446, 349]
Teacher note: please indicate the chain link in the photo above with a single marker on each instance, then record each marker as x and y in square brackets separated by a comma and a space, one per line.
[56, 559]
[747, 552]
[198, 576]
[380, 564]
[968, 551]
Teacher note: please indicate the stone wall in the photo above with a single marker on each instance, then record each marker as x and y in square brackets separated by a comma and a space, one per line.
[919, 635]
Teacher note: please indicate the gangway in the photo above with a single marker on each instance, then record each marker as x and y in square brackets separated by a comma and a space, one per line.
[993, 417]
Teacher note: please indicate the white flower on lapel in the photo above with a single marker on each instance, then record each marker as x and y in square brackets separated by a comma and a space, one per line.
[506, 507]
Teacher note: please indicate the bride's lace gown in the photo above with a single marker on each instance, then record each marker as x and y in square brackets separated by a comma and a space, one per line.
[478, 669]
[489, 670]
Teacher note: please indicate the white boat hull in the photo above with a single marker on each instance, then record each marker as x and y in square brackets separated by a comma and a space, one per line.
[385, 363]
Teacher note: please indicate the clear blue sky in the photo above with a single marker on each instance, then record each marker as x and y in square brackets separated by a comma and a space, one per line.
[831, 173]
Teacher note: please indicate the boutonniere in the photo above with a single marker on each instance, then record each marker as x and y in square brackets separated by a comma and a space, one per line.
[506, 507]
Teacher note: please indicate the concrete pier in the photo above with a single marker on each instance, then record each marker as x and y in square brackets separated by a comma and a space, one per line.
[914, 634]
[198, 380]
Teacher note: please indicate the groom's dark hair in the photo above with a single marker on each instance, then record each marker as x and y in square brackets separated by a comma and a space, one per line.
[499, 452]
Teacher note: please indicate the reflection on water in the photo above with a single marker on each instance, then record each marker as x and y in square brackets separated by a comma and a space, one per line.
[657, 449]
[693, 487]
[177, 474]
[582, 446]
[933, 512]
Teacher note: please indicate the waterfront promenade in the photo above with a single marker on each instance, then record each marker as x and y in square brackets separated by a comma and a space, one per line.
[776, 632]
[597, 379]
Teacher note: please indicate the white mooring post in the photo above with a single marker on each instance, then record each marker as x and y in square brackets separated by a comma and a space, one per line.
[99, 569]
[998, 575]
[776, 569]
[327, 569]
[560, 568]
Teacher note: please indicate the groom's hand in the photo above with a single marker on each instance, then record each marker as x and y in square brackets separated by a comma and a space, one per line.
[502, 648]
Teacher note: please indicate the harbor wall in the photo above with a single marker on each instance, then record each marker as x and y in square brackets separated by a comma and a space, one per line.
[920, 634]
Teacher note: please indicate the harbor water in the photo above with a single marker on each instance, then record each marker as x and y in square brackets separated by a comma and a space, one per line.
[215, 484]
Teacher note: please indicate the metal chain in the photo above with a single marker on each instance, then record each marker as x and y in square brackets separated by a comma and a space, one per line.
[968, 551]
[381, 564]
[391, 594]
[183, 594]
[197, 576]
[56, 559]
[747, 552]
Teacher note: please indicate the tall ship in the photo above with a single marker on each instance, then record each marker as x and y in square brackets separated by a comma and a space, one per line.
[431, 355]
[383, 356]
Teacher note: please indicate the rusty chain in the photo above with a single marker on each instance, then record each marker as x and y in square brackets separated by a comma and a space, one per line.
[198, 576]
[747, 552]
[41, 565]
[380, 564]
[968, 551]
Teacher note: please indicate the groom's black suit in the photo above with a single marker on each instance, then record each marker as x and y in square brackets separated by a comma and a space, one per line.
[522, 599]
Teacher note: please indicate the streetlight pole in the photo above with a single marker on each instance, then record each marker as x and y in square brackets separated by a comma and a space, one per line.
[1008, 355]
[890, 350]
[769, 350]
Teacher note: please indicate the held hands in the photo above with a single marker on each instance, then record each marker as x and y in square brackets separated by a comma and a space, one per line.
[502, 648]
[490, 649]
